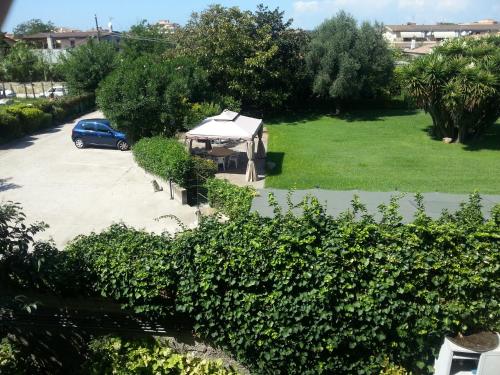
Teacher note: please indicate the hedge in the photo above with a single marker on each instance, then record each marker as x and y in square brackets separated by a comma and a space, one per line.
[233, 201]
[21, 119]
[168, 159]
[309, 293]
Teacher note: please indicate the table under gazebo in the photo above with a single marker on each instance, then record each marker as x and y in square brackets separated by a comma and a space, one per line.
[230, 126]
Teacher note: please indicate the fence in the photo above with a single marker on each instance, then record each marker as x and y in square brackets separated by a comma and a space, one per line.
[29, 89]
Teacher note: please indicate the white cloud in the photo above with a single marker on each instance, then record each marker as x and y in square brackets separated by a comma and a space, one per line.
[327, 7]
[308, 6]
[426, 5]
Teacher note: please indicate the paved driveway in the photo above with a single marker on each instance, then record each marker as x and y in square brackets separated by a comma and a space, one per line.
[80, 191]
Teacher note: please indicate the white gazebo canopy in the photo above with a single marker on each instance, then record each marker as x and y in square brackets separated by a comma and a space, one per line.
[227, 125]
[233, 126]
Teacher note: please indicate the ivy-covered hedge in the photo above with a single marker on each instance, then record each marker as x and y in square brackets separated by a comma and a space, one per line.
[318, 294]
[168, 159]
[132, 266]
[113, 355]
[21, 119]
[313, 293]
[231, 200]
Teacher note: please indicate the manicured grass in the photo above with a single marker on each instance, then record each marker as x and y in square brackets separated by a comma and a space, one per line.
[378, 151]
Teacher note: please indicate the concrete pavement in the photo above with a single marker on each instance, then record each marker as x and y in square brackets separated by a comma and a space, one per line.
[340, 201]
[80, 191]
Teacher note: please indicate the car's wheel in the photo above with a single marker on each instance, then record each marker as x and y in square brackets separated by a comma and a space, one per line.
[79, 143]
[122, 146]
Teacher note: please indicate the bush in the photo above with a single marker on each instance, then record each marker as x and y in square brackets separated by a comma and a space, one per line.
[30, 118]
[233, 201]
[10, 360]
[150, 96]
[21, 119]
[200, 111]
[127, 265]
[165, 158]
[317, 294]
[311, 293]
[111, 355]
[202, 168]
[10, 127]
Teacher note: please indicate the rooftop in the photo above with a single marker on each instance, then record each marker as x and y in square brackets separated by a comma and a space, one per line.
[446, 27]
[69, 34]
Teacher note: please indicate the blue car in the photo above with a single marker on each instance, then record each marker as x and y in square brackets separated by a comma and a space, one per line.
[98, 132]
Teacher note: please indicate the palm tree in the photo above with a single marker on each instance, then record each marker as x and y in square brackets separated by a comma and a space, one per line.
[458, 85]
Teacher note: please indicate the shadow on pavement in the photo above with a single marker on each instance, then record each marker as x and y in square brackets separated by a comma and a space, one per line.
[6, 185]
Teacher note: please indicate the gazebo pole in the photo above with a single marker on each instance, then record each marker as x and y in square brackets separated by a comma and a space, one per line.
[251, 174]
[261, 150]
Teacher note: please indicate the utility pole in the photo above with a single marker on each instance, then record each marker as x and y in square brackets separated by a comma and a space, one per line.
[97, 28]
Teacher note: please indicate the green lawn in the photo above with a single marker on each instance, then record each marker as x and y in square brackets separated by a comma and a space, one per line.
[378, 151]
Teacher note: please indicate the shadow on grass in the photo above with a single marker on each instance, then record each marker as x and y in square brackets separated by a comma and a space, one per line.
[295, 118]
[274, 163]
[490, 140]
[375, 114]
[301, 117]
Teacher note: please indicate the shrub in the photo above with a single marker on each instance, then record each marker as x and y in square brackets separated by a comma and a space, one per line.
[150, 95]
[31, 118]
[21, 119]
[111, 355]
[310, 293]
[165, 158]
[231, 200]
[9, 126]
[128, 265]
[317, 294]
[200, 111]
[9, 357]
[202, 168]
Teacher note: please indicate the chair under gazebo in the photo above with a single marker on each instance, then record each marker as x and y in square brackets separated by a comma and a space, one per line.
[231, 126]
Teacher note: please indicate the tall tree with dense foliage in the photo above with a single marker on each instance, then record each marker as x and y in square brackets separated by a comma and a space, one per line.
[145, 38]
[33, 26]
[255, 57]
[87, 65]
[21, 64]
[347, 61]
[151, 95]
[458, 85]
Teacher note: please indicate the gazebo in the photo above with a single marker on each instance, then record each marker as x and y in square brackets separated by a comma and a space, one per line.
[232, 126]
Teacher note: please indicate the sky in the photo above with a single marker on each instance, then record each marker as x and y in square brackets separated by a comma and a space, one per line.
[307, 14]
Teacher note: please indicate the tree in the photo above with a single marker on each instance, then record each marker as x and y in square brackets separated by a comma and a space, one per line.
[16, 238]
[21, 64]
[347, 61]
[33, 26]
[145, 38]
[254, 57]
[151, 95]
[87, 65]
[458, 85]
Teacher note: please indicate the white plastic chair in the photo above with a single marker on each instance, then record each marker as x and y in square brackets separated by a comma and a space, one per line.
[233, 159]
[219, 160]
